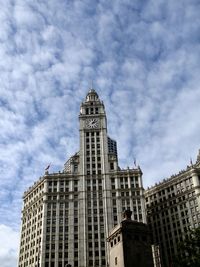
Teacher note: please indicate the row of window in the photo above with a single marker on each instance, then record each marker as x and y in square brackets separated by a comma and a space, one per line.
[176, 200]
[93, 110]
[93, 165]
[93, 133]
[93, 172]
[35, 193]
[92, 140]
[177, 188]
[62, 197]
[125, 180]
[94, 181]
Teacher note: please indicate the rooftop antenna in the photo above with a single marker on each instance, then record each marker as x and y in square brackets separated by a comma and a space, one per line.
[135, 164]
[92, 84]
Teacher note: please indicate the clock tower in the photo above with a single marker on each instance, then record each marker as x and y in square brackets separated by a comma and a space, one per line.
[94, 157]
[93, 136]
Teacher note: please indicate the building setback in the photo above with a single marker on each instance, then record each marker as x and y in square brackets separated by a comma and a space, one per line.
[173, 209]
[67, 216]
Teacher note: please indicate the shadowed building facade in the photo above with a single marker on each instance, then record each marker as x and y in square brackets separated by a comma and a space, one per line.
[68, 215]
[173, 209]
[130, 244]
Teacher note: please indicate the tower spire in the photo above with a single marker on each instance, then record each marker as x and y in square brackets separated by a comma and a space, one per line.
[91, 87]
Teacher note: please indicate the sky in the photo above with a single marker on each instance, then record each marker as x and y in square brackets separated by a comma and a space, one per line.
[143, 57]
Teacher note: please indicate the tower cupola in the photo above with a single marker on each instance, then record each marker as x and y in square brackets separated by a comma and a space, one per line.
[92, 104]
[92, 96]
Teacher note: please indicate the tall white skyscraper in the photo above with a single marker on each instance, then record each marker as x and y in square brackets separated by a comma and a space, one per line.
[68, 215]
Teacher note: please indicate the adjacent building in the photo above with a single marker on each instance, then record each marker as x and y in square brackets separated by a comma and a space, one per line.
[67, 216]
[173, 208]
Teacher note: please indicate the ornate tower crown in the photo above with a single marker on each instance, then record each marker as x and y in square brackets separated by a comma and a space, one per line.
[92, 104]
[92, 96]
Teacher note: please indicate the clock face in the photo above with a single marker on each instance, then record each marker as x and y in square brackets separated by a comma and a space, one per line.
[92, 123]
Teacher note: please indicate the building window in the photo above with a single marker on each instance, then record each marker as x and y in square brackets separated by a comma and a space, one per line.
[96, 253]
[112, 166]
[75, 168]
[115, 260]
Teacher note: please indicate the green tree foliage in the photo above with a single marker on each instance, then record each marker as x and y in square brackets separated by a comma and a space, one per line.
[189, 250]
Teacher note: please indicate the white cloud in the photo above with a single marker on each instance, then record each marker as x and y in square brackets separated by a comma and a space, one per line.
[9, 246]
[144, 60]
